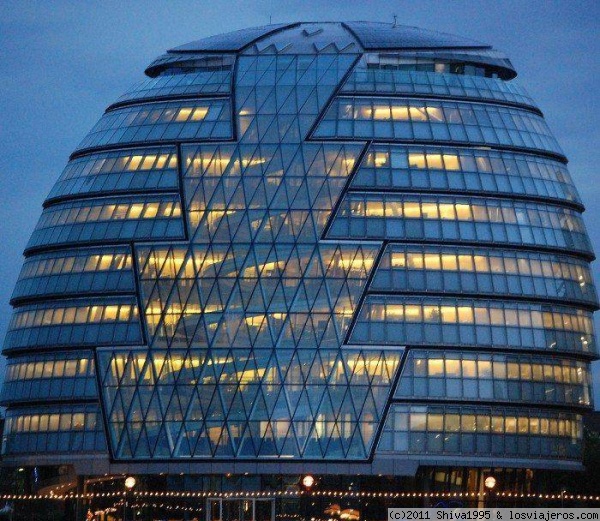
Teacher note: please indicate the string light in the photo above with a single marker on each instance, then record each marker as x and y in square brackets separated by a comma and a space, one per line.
[292, 494]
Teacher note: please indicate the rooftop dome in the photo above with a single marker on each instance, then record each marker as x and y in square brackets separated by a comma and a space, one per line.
[327, 36]
[371, 35]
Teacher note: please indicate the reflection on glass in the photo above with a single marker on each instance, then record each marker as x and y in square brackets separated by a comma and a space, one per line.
[52, 316]
[50, 368]
[496, 376]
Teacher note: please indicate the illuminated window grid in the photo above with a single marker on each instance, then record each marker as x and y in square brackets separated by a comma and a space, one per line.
[501, 263]
[71, 263]
[57, 315]
[55, 367]
[461, 210]
[100, 212]
[522, 174]
[491, 313]
[498, 376]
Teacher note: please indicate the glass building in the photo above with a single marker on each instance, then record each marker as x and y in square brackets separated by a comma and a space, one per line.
[314, 248]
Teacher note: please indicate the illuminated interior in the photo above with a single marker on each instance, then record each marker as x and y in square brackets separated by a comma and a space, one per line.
[577, 321]
[69, 368]
[489, 264]
[73, 315]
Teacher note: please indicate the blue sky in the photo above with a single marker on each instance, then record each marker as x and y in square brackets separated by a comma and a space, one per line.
[63, 62]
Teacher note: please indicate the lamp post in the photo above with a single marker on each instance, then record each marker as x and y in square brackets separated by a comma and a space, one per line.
[490, 483]
[307, 482]
[130, 482]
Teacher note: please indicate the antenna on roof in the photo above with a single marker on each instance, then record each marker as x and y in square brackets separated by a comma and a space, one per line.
[395, 20]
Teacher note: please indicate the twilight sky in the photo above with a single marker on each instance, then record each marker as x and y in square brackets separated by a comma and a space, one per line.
[63, 62]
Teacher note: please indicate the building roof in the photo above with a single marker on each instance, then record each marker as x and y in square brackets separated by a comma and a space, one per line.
[349, 37]
[380, 35]
[371, 35]
[230, 42]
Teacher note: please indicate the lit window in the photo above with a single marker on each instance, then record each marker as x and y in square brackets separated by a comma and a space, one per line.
[451, 162]
[199, 113]
[417, 160]
[400, 113]
[381, 159]
[418, 113]
[435, 367]
[381, 112]
[435, 161]
[183, 114]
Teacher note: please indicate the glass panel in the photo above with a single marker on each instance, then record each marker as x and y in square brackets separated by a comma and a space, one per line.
[162, 121]
[480, 271]
[52, 429]
[396, 118]
[446, 321]
[285, 383]
[92, 270]
[404, 78]
[484, 220]
[452, 426]
[109, 219]
[454, 371]
[138, 169]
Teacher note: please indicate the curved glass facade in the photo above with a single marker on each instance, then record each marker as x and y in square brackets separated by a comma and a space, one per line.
[210, 82]
[485, 323]
[400, 217]
[498, 377]
[74, 322]
[389, 81]
[206, 119]
[108, 219]
[418, 168]
[290, 250]
[446, 269]
[84, 270]
[59, 429]
[68, 375]
[491, 431]
[119, 171]
[389, 119]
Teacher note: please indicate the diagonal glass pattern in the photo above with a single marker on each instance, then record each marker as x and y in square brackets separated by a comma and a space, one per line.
[254, 278]
[252, 295]
[245, 403]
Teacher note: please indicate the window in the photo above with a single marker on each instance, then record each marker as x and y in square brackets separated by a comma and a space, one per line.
[427, 120]
[72, 315]
[386, 319]
[208, 118]
[534, 375]
[562, 432]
